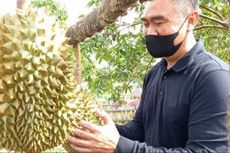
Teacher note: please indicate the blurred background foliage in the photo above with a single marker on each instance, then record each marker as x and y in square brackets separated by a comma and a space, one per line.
[213, 27]
[53, 8]
[115, 61]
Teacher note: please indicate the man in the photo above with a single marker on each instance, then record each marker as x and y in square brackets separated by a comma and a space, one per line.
[183, 105]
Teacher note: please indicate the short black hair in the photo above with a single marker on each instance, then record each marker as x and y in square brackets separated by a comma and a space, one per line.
[195, 4]
[192, 4]
[186, 5]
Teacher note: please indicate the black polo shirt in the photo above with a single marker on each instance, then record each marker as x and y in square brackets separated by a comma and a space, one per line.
[182, 109]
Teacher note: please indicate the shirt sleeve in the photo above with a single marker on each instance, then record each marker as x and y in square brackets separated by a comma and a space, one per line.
[134, 130]
[207, 130]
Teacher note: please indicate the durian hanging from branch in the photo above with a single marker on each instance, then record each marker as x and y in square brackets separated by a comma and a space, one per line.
[39, 103]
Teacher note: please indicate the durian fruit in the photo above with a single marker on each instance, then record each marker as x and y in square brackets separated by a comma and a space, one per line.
[39, 103]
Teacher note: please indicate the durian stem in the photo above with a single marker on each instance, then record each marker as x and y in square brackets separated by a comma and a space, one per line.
[23, 4]
[78, 64]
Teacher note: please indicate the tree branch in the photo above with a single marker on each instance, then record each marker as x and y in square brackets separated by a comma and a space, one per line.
[211, 26]
[98, 19]
[109, 11]
[213, 11]
[225, 24]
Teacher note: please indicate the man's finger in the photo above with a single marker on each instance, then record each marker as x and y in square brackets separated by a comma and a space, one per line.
[80, 142]
[106, 118]
[82, 150]
[89, 126]
[83, 134]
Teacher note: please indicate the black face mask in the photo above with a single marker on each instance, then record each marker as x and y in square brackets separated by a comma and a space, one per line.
[163, 46]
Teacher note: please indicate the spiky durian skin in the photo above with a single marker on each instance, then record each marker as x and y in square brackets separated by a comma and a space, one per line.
[39, 104]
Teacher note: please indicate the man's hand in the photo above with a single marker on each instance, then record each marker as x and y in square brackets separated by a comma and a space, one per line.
[98, 139]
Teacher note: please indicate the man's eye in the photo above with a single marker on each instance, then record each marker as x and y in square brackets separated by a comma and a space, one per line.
[159, 23]
[145, 24]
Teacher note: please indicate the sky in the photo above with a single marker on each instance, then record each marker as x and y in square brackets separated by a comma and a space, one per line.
[75, 8]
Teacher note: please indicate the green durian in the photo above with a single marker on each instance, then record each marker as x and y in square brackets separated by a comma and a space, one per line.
[40, 104]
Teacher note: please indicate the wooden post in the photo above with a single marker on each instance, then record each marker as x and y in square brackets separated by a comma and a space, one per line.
[78, 64]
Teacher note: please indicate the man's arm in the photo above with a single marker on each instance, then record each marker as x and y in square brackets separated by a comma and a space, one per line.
[206, 123]
[133, 130]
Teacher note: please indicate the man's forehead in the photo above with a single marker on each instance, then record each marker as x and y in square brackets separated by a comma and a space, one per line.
[159, 9]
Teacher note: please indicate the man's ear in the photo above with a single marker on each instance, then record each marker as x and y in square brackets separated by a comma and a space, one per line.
[192, 20]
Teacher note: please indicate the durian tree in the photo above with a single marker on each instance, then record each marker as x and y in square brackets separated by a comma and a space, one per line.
[120, 45]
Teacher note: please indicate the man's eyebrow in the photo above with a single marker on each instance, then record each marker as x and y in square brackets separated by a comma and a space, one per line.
[157, 17]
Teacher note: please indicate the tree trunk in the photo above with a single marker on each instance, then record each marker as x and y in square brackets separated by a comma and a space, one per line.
[98, 19]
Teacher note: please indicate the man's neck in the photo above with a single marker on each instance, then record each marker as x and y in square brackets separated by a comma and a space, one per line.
[186, 46]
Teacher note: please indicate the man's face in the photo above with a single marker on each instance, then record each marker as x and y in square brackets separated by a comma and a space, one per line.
[162, 17]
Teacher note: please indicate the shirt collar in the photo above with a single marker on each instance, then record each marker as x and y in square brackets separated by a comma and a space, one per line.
[187, 59]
